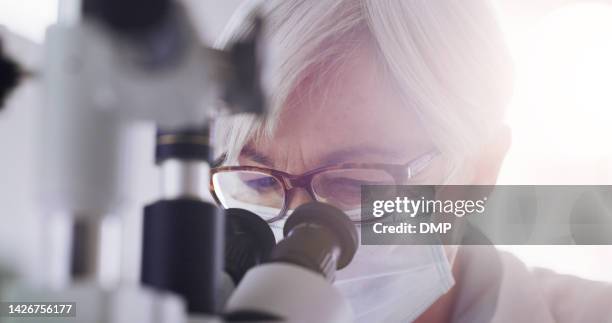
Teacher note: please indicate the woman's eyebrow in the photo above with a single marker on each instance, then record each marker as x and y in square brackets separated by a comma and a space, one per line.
[252, 154]
[354, 153]
[336, 157]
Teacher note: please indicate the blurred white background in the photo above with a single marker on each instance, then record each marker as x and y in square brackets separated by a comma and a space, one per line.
[560, 116]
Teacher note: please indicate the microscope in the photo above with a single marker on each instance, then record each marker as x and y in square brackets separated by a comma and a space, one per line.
[109, 64]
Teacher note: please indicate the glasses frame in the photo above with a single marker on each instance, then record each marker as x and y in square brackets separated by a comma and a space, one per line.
[290, 182]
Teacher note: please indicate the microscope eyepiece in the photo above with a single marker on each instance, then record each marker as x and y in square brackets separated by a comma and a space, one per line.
[248, 242]
[319, 237]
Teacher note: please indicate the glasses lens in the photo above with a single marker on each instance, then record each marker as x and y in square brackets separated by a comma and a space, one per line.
[257, 192]
[342, 188]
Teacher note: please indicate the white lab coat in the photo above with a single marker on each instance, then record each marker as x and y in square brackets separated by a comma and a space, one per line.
[495, 286]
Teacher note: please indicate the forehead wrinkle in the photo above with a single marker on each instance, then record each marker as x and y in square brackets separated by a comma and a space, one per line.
[251, 153]
[356, 154]
[303, 108]
[319, 79]
[314, 93]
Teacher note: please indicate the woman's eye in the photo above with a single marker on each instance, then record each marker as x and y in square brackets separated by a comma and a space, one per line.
[347, 185]
[262, 184]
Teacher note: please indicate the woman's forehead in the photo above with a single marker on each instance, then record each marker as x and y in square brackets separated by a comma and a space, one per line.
[354, 110]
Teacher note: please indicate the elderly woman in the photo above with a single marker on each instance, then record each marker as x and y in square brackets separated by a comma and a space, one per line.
[356, 85]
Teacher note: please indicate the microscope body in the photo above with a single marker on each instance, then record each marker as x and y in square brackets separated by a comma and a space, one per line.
[97, 83]
[96, 86]
[292, 293]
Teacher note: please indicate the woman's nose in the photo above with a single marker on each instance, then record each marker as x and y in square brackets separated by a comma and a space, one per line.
[299, 196]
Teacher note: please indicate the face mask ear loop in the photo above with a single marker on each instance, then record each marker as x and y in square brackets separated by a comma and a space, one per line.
[451, 253]
[443, 265]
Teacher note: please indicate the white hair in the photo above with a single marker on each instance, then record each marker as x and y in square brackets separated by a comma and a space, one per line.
[447, 59]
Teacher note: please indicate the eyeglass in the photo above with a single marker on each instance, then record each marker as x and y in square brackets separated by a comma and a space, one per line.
[268, 192]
